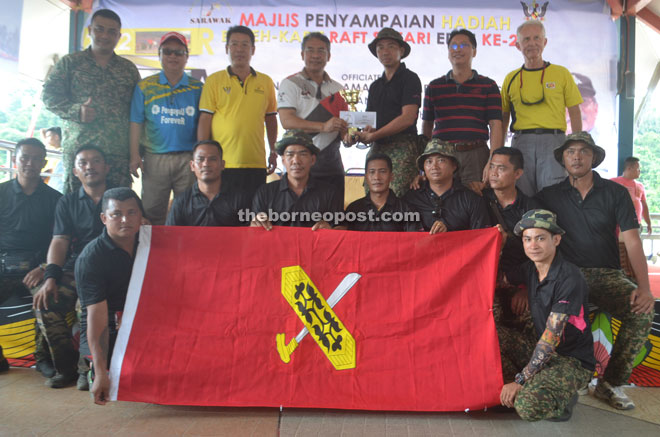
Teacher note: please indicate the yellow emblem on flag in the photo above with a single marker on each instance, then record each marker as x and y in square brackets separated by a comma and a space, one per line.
[319, 319]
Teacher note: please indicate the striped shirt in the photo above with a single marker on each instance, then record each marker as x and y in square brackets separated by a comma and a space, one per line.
[461, 111]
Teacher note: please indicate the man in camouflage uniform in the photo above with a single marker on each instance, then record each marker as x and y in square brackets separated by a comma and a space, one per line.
[396, 97]
[589, 209]
[91, 91]
[77, 222]
[562, 360]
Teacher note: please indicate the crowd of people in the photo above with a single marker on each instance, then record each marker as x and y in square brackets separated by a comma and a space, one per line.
[205, 143]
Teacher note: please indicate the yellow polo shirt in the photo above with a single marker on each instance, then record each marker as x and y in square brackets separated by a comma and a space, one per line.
[558, 91]
[239, 112]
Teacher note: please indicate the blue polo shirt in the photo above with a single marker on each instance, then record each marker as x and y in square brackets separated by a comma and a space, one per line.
[169, 112]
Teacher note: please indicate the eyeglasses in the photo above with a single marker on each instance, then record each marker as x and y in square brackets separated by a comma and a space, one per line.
[459, 46]
[522, 100]
[312, 51]
[177, 52]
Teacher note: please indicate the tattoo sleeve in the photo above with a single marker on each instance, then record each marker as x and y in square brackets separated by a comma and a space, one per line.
[550, 339]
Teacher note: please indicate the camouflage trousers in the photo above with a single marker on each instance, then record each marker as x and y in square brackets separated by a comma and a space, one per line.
[118, 176]
[403, 150]
[504, 315]
[548, 392]
[53, 337]
[610, 290]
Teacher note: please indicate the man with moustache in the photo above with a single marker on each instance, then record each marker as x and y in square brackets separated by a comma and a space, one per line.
[103, 271]
[589, 209]
[465, 109]
[380, 205]
[395, 97]
[234, 106]
[537, 96]
[444, 203]
[296, 192]
[310, 100]
[165, 108]
[205, 204]
[91, 91]
[77, 222]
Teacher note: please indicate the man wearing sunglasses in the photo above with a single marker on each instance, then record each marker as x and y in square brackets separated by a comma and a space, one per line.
[536, 96]
[165, 106]
[464, 109]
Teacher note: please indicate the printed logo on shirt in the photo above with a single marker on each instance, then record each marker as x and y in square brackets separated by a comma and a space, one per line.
[227, 89]
[155, 109]
[550, 85]
[190, 111]
[259, 90]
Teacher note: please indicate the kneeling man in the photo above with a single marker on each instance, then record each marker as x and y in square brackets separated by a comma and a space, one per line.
[562, 360]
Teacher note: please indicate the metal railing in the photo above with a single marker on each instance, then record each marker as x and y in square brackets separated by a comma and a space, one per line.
[9, 148]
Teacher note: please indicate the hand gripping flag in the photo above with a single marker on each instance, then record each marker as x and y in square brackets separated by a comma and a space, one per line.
[397, 321]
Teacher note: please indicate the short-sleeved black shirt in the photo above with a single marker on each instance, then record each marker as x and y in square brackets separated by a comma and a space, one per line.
[459, 208]
[193, 208]
[103, 272]
[362, 207]
[26, 222]
[276, 196]
[590, 224]
[78, 217]
[513, 254]
[387, 98]
[563, 291]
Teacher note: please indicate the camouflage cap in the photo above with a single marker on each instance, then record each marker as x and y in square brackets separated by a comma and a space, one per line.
[437, 147]
[389, 33]
[297, 137]
[584, 137]
[538, 218]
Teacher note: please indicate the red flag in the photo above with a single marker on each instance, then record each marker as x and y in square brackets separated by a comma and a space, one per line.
[205, 306]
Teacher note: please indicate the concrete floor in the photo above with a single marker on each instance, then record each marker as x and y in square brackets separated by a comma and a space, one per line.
[28, 408]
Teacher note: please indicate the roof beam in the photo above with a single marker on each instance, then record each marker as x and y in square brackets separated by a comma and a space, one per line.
[616, 6]
[649, 18]
[634, 6]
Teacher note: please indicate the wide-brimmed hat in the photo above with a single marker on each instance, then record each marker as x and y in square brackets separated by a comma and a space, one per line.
[173, 35]
[599, 152]
[297, 137]
[438, 147]
[538, 218]
[389, 33]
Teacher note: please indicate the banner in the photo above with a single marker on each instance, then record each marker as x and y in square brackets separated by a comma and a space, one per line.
[581, 37]
[397, 321]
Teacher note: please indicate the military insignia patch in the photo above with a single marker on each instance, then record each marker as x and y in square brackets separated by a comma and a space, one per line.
[317, 315]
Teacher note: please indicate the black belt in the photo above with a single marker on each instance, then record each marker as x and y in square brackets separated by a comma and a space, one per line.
[539, 131]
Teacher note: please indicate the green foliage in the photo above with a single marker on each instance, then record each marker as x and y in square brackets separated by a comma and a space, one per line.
[646, 147]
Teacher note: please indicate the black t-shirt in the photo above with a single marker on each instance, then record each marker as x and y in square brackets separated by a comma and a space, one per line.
[103, 272]
[387, 98]
[513, 254]
[193, 208]
[459, 208]
[376, 221]
[26, 222]
[78, 217]
[563, 291]
[590, 224]
[317, 198]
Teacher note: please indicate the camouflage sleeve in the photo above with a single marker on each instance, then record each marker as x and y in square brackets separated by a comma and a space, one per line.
[547, 344]
[56, 93]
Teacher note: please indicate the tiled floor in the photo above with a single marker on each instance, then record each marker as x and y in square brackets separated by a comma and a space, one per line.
[29, 408]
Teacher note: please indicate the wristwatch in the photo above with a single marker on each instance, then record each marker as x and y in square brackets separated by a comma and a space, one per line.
[519, 378]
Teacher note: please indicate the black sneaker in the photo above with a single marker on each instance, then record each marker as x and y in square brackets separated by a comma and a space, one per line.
[568, 410]
[61, 381]
[83, 383]
[46, 368]
[4, 365]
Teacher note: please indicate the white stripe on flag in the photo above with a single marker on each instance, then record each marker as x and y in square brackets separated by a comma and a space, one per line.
[132, 299]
